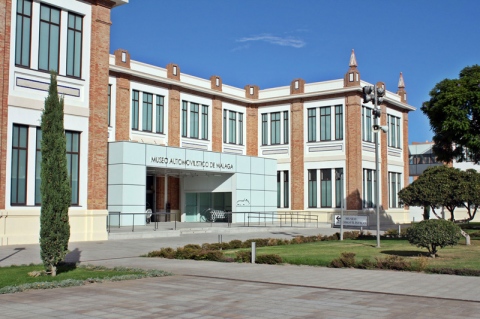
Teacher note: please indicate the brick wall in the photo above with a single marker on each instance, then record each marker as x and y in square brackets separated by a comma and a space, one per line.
[252, 130]
[353, 141]
[217, 120]
[98, 119]
[5, 24]
[297, 155]
[174, 117]
[122, 109]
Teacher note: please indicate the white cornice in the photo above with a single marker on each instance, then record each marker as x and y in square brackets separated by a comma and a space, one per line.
[146, 76]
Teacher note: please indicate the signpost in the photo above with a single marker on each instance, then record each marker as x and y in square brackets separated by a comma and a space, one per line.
[352, 221]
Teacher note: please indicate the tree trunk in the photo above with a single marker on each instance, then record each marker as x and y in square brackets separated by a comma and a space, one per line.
[53, 272]
[467, 237]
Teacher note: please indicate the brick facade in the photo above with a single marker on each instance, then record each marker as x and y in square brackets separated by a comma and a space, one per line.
[5, 25]
[174, 116]
[297, 157]
[217, 127]
[353, 151]
[98, 119]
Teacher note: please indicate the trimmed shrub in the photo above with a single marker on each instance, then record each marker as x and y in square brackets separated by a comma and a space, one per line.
[163, 253]
[434, 234]
[346, 260]
[192, 246]
[271, 259]
[235, 244]
[243, 256]
[393, 263]
[366, 263]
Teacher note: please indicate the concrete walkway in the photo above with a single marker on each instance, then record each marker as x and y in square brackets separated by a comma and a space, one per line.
[230, 290]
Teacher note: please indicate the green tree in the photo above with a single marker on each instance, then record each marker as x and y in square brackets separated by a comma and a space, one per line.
[454, 113]
[55, 188]
[434, 234]
[437, 186]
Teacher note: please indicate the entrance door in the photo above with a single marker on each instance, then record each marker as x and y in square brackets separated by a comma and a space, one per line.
[191, 208]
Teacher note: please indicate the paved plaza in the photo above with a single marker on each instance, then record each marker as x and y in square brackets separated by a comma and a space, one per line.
[201, 289]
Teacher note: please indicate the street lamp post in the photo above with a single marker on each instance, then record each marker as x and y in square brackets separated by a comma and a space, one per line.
[375, 94]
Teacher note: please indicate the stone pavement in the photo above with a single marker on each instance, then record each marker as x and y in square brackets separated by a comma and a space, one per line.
[202, 289]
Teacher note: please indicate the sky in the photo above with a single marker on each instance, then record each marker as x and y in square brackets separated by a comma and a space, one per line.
[271, 42]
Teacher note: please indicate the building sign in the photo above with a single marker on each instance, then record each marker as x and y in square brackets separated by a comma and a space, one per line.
[355, 221]
[189, 163]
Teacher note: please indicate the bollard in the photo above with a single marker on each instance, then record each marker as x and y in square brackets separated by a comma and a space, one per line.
[399, 230]
[254, 252]
[220, 239]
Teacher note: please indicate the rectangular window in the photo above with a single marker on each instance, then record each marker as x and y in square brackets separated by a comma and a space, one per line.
[312, 188]
[275, 128]
[18, 191]
[38, 167]
[393, 131]
[399, 145]
[240, 128]
[135, 105]
[367, 124]
[312, 125]
[339, 122]
[264, 129]
[325, 120]
[109, 104]
[232, 123]
[326, 187]
[205, 122]
[338, 187]
[194, 120]
[285, 189]
[23, 33]
[285, 127]
[369, 182]
[184, 118]
[74, 45]
[73, 163]
[225, 126]
[49, 40]
[394, 183]
[159, 114]
[147, 112]
[279, 189]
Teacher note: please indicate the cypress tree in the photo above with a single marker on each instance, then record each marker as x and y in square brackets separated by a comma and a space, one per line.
[55, 186]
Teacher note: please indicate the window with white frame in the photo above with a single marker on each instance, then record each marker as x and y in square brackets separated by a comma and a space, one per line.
[73, 165]
[330, 193]
[327, 124]
[23, 33]
[369, 182]
[393, 131]
[273, 132]
[367, 131]
[48, 38]
[282, 189]
[49, 41]
[232, 127]
[74, 45]
[152, 120]
[18, 179]
[135, 108]
[194, 124]
[312, 188]
[147, 112]
[394, 186]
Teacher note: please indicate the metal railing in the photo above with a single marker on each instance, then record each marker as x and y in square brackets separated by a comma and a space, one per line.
[148, 218]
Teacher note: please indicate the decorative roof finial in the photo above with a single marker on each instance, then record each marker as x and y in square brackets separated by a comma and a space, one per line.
[401, 83]
[353, 59]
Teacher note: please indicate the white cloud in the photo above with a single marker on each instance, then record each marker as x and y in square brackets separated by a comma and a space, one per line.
[285, 41]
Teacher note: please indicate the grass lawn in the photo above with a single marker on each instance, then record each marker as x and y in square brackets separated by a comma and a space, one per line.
[18, 275]
[322, 253]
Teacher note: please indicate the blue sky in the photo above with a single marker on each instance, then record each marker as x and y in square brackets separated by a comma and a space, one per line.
[271, 42]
